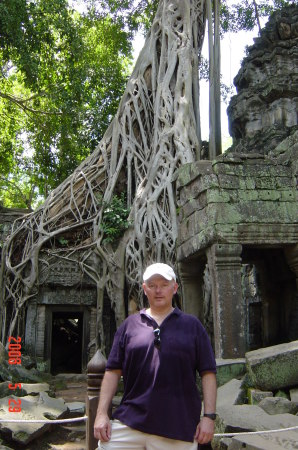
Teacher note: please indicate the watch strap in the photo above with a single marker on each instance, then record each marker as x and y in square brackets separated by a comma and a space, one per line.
[211, 416]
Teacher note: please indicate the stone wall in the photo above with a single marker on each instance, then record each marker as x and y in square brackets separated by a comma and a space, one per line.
[62, 290]
[237, 241]
[247, 199]
[7, 217]
[237, 216]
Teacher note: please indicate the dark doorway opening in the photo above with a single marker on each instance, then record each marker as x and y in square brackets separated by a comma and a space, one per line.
[67, 333]
[269, 297]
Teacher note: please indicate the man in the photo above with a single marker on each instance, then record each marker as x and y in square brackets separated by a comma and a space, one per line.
[158, 352]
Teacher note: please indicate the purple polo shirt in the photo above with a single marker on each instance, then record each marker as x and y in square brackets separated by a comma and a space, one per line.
[160, 391]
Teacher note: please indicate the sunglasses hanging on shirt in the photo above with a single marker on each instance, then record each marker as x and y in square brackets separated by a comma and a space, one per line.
[157, 341]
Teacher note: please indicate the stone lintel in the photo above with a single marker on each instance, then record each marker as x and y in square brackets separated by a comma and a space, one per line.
[68, 296]
[257, 234]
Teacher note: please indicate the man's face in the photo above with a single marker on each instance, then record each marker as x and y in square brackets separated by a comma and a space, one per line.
[160, 291]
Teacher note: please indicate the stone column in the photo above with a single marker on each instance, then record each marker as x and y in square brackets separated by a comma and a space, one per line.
[291, 254]
[191, 277]
[224, 262]
[95, 372]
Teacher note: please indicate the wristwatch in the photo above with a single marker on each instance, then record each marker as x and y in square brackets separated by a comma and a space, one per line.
[211, 416]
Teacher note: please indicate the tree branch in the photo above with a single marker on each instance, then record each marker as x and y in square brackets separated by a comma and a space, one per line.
[22, 104]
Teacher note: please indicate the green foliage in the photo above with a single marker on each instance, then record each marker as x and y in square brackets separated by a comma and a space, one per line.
[114, 219]
[238, 16]
[62, 241]
[63, 74]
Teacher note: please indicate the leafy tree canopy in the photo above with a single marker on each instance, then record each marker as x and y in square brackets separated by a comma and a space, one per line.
[62, 76]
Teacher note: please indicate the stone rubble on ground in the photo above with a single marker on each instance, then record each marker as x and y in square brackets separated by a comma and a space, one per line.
[37, 407]
[255, 396]
[76, 409]
[274, 367]
[272, 412]
[278, 405]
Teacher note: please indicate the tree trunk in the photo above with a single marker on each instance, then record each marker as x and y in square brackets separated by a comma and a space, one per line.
[155, 130]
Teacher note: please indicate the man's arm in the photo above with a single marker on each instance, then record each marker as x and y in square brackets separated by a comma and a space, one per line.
[102, 424]
[205, 428]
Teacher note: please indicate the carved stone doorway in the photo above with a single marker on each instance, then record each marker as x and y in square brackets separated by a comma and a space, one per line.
[245, 296]
[67, 339]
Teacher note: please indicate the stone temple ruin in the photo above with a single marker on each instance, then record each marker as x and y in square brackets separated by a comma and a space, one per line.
[233, 240]
[237, 243]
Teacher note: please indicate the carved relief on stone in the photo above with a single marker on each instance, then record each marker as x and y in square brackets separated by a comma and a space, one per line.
[264, 111]
[62, 272]
[253, 305]
[207, 307]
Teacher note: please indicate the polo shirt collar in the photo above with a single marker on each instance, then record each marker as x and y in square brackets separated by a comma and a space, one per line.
[176, 311]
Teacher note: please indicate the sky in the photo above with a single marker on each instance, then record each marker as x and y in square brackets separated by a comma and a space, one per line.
[232, 53]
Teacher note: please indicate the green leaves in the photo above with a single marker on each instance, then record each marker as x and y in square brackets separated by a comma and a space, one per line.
[63, 74]
[242, 15]
[114, 219]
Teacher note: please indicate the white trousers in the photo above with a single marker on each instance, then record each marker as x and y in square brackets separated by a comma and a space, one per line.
[126, 438]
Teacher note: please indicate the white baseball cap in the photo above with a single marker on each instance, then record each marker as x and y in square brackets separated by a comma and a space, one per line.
[159, 269]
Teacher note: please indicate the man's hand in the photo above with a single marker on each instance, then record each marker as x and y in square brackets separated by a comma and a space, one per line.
[102, 424]
[102, 427]
[205, 430]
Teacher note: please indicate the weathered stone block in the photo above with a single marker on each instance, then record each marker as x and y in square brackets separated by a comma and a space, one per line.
[228, 168]
[260, 211]
[294, 395]
[183, 175]
[247, 195]
[76, 409]
[265, 183]
[193, 224]
[202, 167]
[187, 173]
[228, 369]
[194, 204]
[230, 394]
[274, 367]
[217, 196]
[278, 405]
[284, 183]
[255, 396]
[288, 196]
[269, 195]
[204, 182]
[35, 388]
[32, 407]
[225, 213]
[249, 183]
[228, 181]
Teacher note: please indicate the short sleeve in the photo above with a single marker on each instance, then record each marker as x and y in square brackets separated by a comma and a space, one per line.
[205, 355]
[116, 356]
